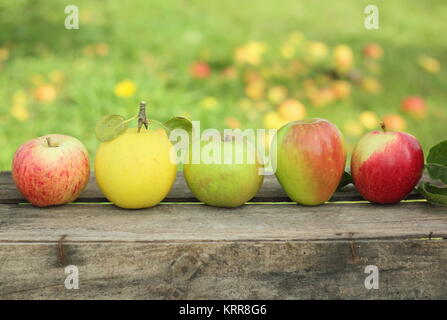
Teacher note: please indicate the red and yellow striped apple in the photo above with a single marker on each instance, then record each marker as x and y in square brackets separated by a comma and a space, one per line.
[386, 165]
[310, 160]
[51, 170]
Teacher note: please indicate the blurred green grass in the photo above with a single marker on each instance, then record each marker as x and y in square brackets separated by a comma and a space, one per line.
[153, 43]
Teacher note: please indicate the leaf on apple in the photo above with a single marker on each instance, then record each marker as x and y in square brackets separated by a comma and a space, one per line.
[110, 127]
[345, 180]
[433, 194]
[179, 123]
[155, 124]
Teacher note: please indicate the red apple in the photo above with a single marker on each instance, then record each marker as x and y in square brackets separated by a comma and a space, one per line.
[200, 69]
[310, 160]
[373, 51]
[415, 107]
[386, 166]
[51, 170]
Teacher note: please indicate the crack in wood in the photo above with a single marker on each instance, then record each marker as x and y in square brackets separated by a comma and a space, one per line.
[354, 254]
[29, 289]
[187, 241]
[61, 251]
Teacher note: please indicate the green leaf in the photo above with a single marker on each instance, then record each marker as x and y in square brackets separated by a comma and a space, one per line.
[437, 171]
[179, 123]
[158, 124]
[437, 162]
[433, 194]
[345, 180]
[110, 127]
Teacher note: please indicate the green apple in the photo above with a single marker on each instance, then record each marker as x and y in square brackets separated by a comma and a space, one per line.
[228, 172]
[310, 160]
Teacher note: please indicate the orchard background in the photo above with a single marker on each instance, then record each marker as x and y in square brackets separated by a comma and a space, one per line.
[227, 63]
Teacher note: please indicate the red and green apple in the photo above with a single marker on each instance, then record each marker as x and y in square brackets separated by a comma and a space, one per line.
[310, 160]
[386, 166]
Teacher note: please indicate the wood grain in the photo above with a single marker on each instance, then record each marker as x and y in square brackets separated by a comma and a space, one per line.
[270, 191]
[193, 251]
[196, 222]
[226, 270]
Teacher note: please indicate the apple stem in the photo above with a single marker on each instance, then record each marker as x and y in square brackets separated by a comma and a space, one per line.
[49, 142]
[382, 125]
[142, 119]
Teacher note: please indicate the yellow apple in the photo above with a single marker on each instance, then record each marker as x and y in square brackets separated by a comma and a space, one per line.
[292, 110]
[394, 122]
[135, 170]
[343, 58]
[272, 120]
[369, 120]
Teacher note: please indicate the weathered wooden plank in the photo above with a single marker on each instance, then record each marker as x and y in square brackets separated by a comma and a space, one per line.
[196, 222]
[225, 270]
[270, 191]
